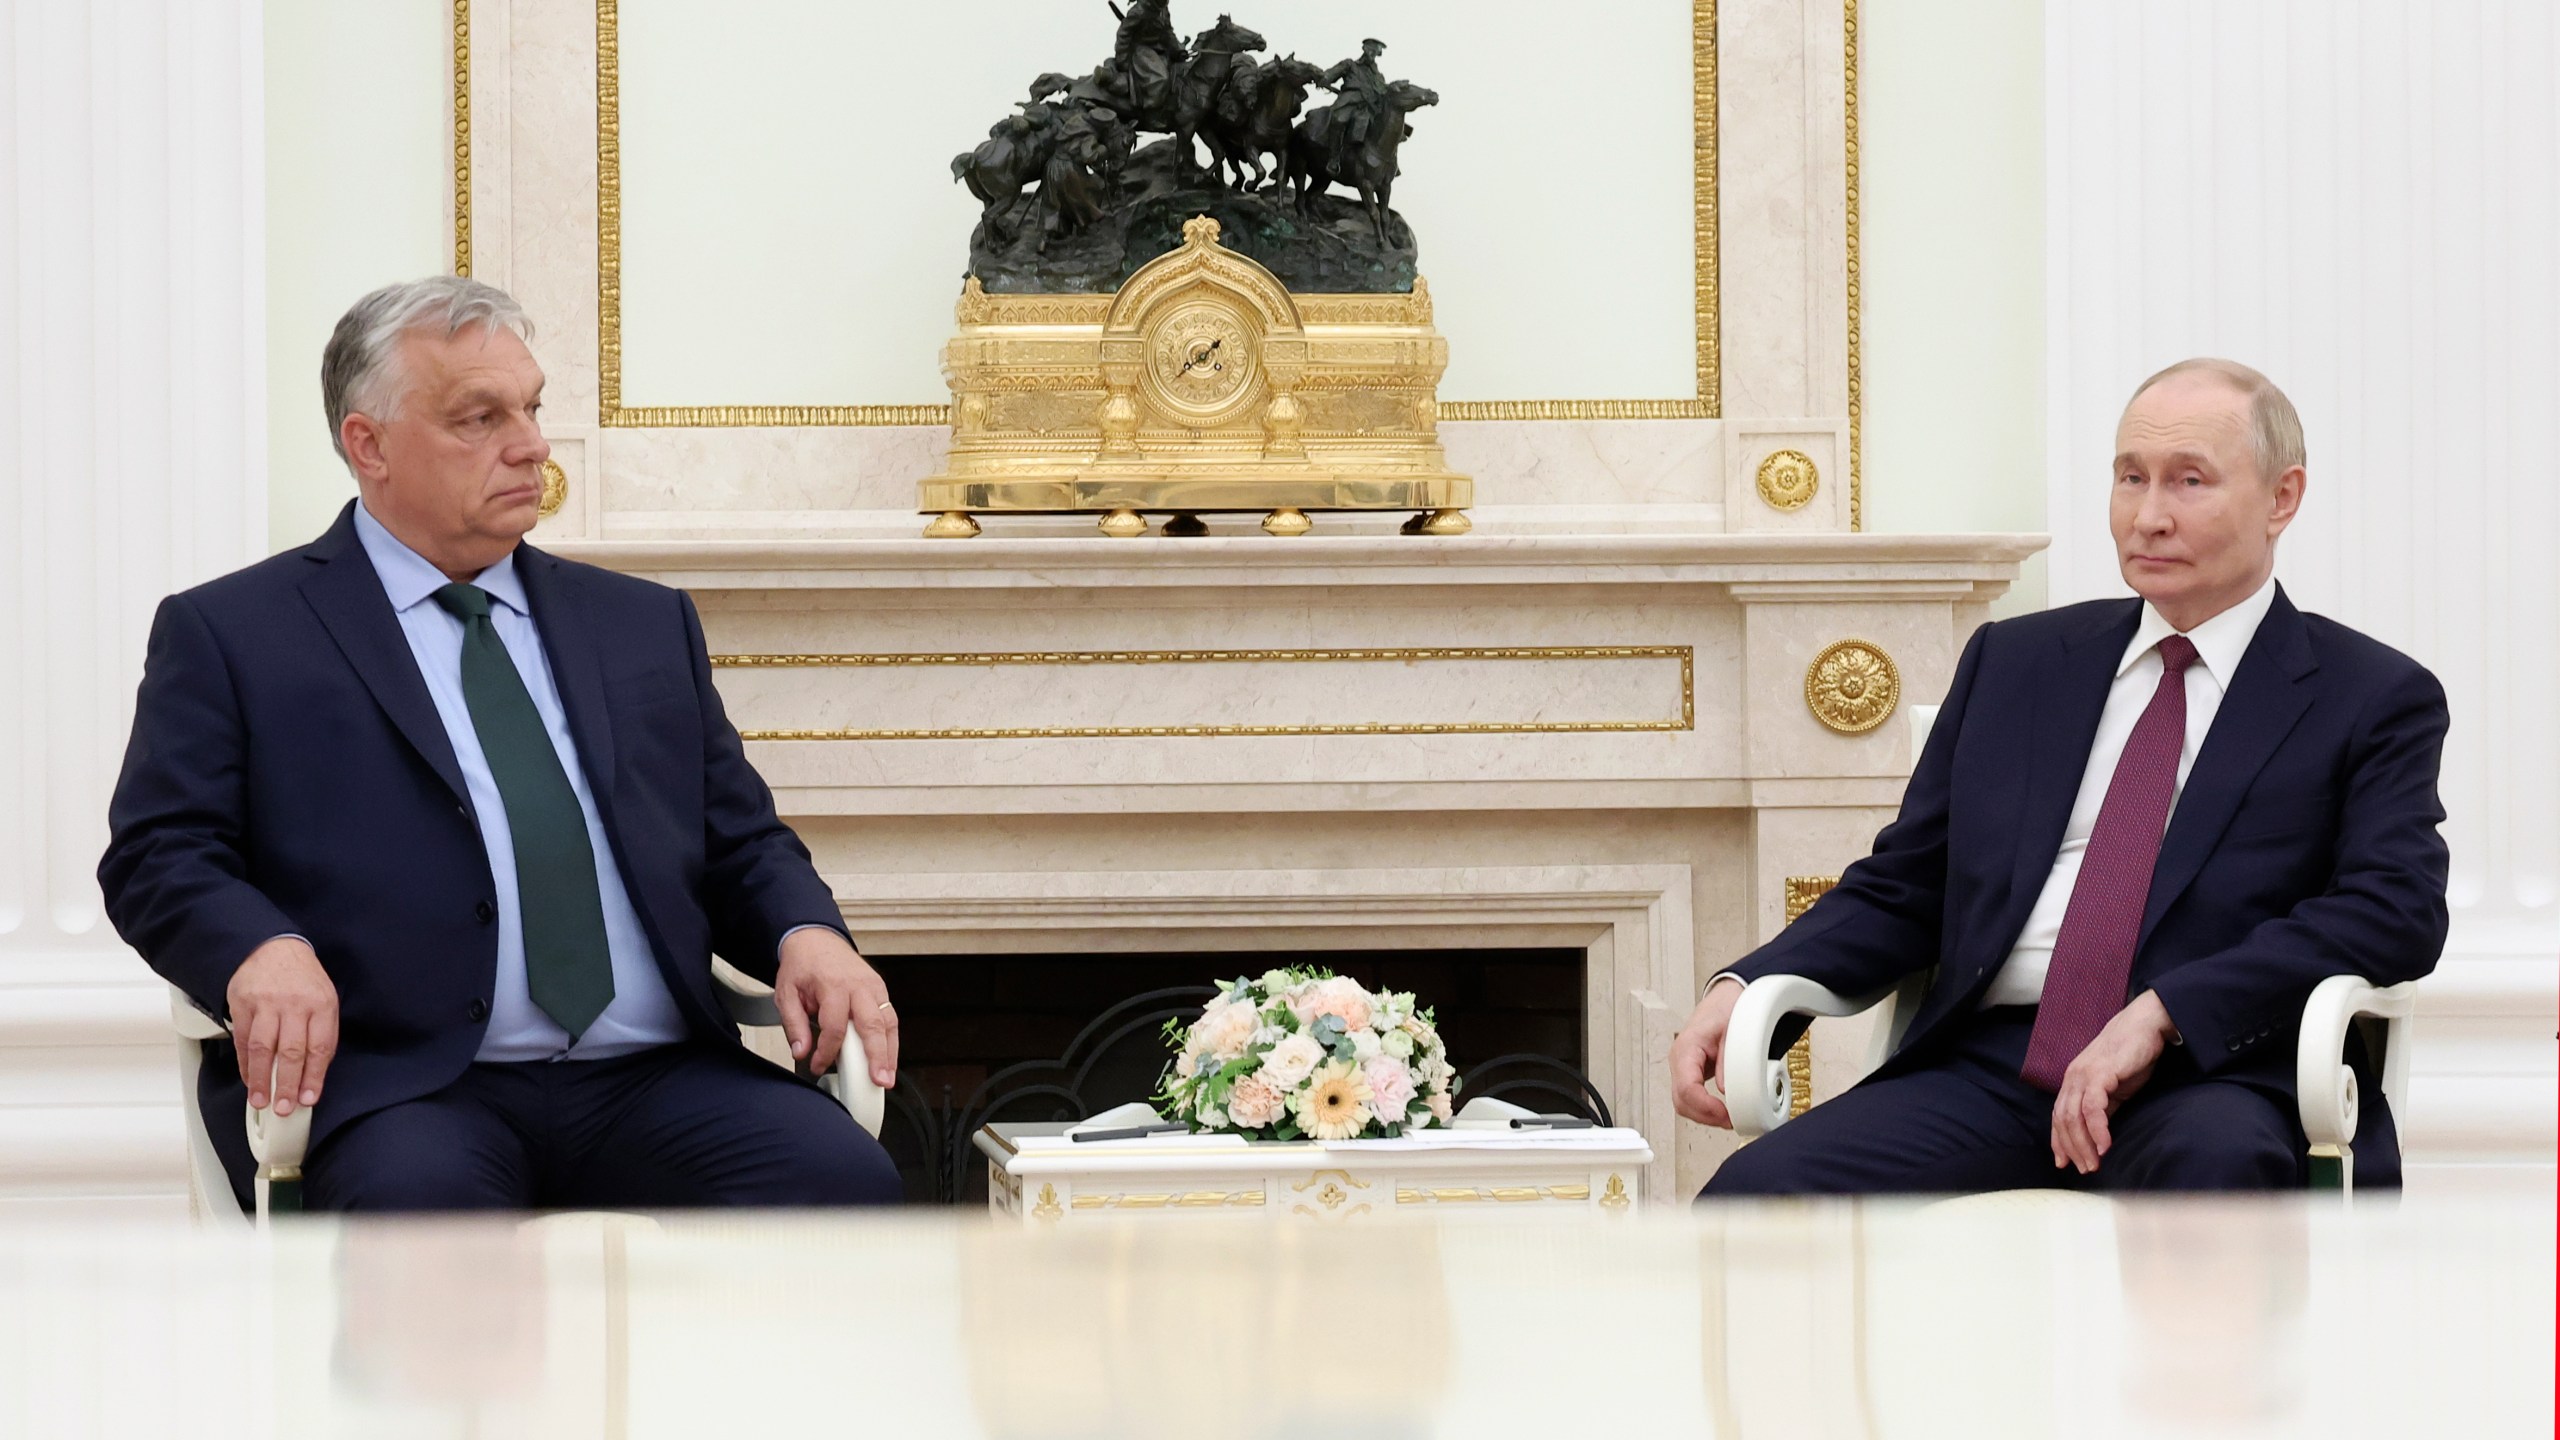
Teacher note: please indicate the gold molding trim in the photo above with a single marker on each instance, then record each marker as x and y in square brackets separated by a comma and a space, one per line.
[1802, 891]
[461, 137]
[1048, 1208]
[1615, 1199]
[1686, 655]
[1499, 1194]
[1852, 686]
[1857, 389]
[1787, 480]
[1707, 404]
[555, 490]
[1185, 1200]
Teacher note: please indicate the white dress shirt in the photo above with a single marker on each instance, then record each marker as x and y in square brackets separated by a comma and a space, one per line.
[643, 1013]
[2219, 642]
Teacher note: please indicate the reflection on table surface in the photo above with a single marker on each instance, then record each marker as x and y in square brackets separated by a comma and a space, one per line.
[2064, 1316]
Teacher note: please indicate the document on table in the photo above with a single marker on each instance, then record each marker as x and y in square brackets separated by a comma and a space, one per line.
[1064, 1144]
[1472, 1138]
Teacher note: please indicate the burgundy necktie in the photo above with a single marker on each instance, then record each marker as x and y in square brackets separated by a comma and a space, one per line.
[2093, 956]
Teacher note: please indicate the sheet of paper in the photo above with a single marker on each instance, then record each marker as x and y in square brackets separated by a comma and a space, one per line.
[1473, 1139]
[1053, 1144]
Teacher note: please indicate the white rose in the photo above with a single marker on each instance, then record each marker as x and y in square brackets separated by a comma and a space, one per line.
[1274, 981]
[1211, 1117]
[1397, 1043]
[1364, 1045]
[1291, 1062]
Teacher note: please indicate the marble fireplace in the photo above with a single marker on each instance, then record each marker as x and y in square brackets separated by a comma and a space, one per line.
[1608, 743]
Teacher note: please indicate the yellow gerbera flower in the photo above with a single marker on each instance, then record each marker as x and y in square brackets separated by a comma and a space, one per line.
[1335, 1103]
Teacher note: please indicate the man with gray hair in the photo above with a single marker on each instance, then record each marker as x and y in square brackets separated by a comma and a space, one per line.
[448, 830]
[2141, 832]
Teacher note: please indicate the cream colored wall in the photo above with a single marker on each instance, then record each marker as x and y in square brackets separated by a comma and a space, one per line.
[1951, 127]
[358, 102]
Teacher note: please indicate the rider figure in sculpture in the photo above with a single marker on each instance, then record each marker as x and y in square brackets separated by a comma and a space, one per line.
[1149, 53]
[1361, 107]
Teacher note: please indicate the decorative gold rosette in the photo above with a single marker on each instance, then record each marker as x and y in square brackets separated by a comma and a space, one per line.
[1852, 686]
[555, 490]
[1788, 480]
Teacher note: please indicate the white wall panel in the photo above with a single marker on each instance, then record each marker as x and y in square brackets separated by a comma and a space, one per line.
[131, 394]
[2362, 199]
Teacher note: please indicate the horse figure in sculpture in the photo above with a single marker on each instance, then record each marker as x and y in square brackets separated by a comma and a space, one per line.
[1215, 57]
[1256, 117]
[1318, 162]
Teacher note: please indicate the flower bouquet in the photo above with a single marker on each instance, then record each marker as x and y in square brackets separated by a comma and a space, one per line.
[1308, 1054]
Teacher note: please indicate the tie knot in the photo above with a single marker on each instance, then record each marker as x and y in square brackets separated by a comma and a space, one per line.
[2177, 652]
[469, 602]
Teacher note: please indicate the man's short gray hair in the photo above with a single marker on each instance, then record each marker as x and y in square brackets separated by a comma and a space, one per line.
[2275, 429]
[360, 369]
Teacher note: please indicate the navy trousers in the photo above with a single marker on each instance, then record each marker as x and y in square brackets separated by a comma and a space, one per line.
[1964, 1121]
[678, 1126]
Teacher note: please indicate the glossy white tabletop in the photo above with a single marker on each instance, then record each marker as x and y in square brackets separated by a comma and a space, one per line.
[2001, 1316]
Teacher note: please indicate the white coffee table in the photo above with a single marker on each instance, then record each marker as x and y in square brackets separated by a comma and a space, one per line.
[1035, 1180]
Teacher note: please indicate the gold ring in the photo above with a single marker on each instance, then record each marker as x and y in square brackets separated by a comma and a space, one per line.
[883, 1005]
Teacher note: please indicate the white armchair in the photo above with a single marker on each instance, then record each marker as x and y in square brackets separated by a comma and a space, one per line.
[278, 1146]
[1757, 1086]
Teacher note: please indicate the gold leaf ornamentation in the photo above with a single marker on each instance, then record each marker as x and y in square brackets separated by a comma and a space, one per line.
[1788, 480]
[1852, 686]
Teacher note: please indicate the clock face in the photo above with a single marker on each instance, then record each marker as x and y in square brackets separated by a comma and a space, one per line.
[1202, 361]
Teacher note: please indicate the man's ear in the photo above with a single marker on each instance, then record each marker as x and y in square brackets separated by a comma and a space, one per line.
[2288, 500]
[361, 436]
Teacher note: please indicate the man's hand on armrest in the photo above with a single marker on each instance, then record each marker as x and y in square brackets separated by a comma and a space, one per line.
[284, 1023]
[1698, 1051]
[823, 979]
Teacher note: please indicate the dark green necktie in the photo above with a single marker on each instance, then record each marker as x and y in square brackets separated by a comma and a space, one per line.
[567, 964]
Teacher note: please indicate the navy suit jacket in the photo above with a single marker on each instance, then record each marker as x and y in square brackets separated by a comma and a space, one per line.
[2304, 844]
[288, 774]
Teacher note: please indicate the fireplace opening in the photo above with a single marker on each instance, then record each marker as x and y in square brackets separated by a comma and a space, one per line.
[1059, 1037]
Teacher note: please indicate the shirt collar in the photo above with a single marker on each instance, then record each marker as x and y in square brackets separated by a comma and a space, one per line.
[2219, 642]
[409, 578]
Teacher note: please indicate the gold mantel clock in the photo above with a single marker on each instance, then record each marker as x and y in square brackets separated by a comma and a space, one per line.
[1202, 387]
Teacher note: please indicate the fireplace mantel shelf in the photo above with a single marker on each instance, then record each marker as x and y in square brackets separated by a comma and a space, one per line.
[1750, 567]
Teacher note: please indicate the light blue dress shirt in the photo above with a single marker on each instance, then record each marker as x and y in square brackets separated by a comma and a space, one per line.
[643, 1013]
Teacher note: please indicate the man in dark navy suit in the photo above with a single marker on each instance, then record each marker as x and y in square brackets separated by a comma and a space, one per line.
[448, 830]
[2141, 831]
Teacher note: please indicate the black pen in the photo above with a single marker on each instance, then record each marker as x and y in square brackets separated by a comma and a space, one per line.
[1550, 1122]
[1132, 1133]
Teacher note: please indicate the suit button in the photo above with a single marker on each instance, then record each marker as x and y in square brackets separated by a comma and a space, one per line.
[484, 912]
[479, 1011]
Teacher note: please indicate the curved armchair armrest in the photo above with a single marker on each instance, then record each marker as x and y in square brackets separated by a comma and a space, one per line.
[750, 1003]
[190, 1022]
[1755, 1079]
[278, 1145]
[2323, 1083]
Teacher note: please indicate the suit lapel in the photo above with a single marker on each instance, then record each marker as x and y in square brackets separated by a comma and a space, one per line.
[2069, 698]
[348, 597]
[569, 640]
[2266, 698]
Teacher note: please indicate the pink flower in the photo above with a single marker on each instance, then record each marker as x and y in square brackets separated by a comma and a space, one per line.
[1339, 997]
[1440, 1106]
[1390, 1087]
[1252, 1103]
[1228, 1029]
